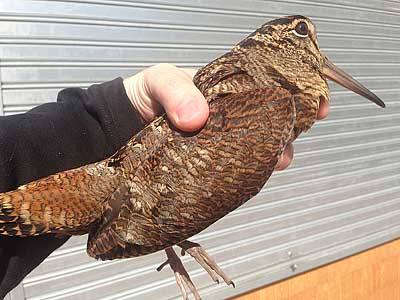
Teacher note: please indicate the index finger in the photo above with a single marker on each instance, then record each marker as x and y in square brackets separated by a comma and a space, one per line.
[323, 109]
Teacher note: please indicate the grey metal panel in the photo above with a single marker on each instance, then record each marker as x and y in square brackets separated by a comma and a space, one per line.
[341, 195]
[17, 293]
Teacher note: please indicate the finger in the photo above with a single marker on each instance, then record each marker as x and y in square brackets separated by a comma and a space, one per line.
[323, 109]
[286, 158]
[174, 89]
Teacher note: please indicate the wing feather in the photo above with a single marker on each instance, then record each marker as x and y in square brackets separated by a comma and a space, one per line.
[190, 182]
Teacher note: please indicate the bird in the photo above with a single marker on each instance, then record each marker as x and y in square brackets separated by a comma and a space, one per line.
[166, 185]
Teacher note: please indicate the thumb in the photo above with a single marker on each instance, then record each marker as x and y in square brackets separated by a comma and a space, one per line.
[165, 86]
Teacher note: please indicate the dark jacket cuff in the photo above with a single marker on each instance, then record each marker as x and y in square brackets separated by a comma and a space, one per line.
[111, 106]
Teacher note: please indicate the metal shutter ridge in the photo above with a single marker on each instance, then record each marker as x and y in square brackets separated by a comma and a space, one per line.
[341, 195]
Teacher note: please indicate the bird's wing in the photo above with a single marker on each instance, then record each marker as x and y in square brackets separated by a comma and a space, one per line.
[187, 201]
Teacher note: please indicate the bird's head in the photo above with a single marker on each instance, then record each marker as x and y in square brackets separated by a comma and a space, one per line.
[287, 50]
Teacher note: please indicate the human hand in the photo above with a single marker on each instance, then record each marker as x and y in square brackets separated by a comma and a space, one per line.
[287, 156]
[167, 87]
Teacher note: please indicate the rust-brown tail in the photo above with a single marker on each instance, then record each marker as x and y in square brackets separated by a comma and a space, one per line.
[68, 202]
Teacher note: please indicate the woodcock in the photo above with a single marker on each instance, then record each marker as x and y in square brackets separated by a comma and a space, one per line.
[165, 185]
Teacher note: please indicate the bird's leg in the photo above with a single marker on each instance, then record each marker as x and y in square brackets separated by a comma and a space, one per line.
[205, 260]
[181, 275]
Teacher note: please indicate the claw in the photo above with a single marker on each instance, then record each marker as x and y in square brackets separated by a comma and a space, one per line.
[182, 277]
[205, 260]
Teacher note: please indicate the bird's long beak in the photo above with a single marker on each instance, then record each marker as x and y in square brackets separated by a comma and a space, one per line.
[339, 76]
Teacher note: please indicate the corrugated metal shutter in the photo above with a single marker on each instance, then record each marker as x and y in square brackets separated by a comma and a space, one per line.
[340, 196]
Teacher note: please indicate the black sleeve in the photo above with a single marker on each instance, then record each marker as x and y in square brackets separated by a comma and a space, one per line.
[83, 126]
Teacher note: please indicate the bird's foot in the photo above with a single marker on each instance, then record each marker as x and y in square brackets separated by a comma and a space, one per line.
[205, 260]
[181, 275]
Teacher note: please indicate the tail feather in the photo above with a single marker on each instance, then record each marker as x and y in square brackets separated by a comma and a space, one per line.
[68, 202]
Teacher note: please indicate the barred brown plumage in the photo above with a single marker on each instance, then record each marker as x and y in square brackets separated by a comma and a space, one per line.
[164, 185]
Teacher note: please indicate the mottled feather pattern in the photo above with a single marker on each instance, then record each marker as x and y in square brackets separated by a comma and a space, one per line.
[164, 185]
[67, 202]
[192, 181]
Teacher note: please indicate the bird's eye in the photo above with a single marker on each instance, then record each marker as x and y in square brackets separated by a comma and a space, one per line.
[301, 30]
